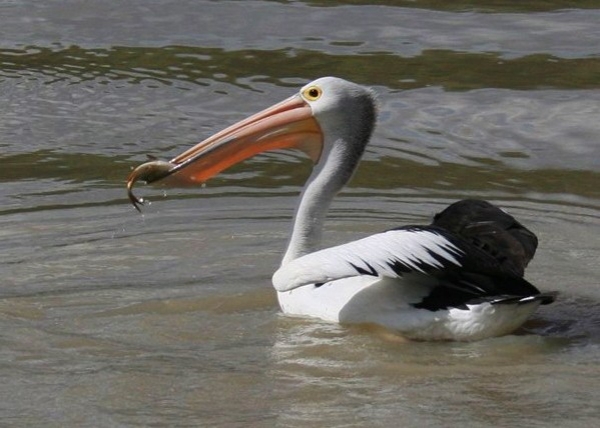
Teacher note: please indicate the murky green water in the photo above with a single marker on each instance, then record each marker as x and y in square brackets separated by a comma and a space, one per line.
[109, 318]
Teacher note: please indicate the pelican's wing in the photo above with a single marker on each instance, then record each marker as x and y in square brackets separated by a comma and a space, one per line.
[491, 229]
[462, 272]
[388, 254]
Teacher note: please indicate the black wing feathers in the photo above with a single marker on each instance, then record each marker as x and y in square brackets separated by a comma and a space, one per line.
[497, 248]
[492, 230]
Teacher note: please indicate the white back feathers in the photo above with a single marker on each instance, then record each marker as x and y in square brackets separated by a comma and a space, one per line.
[387, 254]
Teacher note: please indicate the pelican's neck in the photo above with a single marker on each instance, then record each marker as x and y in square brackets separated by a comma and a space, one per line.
[346, 131]
[326, 180]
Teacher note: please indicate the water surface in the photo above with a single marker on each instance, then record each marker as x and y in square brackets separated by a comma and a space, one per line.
[111, 318]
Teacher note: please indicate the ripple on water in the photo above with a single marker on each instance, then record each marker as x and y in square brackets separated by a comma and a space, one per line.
[169, 318]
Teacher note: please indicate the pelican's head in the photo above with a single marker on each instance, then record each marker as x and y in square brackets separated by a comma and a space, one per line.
[328, 119]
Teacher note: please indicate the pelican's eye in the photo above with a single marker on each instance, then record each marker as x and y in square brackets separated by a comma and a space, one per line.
[312, 93]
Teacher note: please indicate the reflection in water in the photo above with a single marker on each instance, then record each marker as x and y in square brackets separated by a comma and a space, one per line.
[320, 371]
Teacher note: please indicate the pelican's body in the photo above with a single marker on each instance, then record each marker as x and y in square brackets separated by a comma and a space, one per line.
[460, 278]
[364, 300]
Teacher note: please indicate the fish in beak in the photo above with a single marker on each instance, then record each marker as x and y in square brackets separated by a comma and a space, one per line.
[289, 124]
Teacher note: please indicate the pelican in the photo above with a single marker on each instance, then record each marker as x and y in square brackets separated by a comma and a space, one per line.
[458, 278]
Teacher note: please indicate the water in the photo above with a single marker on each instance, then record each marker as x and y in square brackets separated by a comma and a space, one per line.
[111, 318]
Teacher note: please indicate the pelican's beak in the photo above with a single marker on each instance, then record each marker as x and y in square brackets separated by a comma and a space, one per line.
[288, 124]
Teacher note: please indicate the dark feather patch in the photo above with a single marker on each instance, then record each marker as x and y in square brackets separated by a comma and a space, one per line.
[369, 270]
[495, 249]
[457, 289]
[492, 230]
